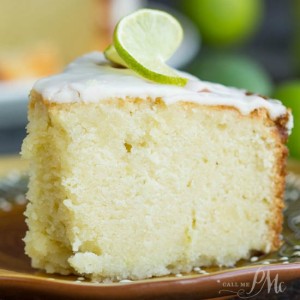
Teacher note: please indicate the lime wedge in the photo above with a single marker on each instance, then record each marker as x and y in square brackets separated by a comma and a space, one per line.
[145, 40]
[112, 55]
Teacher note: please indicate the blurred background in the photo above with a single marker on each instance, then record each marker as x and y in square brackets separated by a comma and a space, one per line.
[251, 44]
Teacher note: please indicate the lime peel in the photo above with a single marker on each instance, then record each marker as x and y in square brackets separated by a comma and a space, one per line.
[112, 55]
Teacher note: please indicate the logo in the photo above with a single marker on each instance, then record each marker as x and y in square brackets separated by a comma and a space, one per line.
[262, 281]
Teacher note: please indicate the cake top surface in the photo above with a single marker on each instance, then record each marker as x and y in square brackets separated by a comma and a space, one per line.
[91, 78]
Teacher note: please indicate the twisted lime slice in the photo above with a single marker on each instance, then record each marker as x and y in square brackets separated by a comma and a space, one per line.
[145, 40]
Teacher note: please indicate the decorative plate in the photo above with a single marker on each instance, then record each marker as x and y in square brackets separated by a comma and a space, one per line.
[266, 273]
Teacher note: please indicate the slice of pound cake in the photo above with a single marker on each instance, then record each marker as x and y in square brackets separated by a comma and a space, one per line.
[133, 179]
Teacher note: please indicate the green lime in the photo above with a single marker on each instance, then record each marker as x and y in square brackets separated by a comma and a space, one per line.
[145, 40]
[233, 70]
[112, 55]
[225, 22]
[289, 94]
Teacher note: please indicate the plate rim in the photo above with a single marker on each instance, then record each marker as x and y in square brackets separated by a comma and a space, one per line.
[206, 285]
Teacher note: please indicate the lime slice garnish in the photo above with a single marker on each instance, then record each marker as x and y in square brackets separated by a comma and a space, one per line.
[112, 55]
[145, 40]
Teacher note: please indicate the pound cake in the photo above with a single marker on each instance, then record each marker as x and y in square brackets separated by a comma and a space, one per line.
[133, 179]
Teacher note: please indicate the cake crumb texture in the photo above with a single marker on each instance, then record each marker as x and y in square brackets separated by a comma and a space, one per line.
[134, 188]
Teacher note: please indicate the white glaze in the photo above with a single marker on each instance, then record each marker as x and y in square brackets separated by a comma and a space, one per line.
[91, 78]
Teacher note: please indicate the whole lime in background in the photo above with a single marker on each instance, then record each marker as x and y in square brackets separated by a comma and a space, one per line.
[289, 94]
[233, 70]
[225, 22]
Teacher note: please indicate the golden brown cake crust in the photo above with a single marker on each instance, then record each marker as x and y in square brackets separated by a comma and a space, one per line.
[280, 173]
